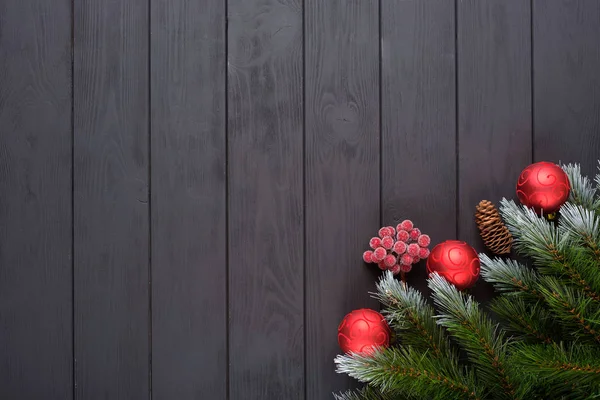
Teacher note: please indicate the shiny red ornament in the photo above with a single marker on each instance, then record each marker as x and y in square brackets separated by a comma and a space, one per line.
[362, 329]
[456, 261]
[543, 186]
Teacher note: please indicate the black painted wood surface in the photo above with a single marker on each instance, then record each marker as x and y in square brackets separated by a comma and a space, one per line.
[188, 201]
[110, 198]
[265, 200]
[36, 303]
[341, 174]
[186, 187]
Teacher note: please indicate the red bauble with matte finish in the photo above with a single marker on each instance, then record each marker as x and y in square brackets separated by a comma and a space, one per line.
[362, 329]
[456, 261]
[543, 186]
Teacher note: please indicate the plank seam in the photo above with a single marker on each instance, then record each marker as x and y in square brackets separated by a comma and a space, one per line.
[531, 61]
[74, 360]
[456, 125]
[304, 246]
[227, 199]
[149, 194]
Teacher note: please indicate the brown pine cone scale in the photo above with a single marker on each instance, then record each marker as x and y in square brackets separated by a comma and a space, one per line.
[494, 233]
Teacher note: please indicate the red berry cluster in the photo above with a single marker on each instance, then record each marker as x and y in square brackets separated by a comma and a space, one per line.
[397, 249]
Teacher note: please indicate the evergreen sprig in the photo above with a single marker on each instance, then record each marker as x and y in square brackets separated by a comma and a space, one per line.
[527, 321]
[366, 393]
[414, 373]
[582, 192]
[578, 312]
[565, 370]
[484, 342]
[510, 277]
[408, 313]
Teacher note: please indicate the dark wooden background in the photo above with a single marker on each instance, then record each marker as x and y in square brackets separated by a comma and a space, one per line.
[187, 186]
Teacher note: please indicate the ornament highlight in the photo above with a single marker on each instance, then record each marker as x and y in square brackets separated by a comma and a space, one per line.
[543, 186]
[456, 261]
[362, 330]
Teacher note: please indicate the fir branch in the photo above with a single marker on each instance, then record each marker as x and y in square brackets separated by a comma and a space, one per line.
[483, 341]
[534, 237]
[528, 321]
[508, 276]
[597, 179]
[584, 226]
[579, 313]
[411, 317]
[366, 393]
[543, 242]
[417, 373]
[570, 370]
[582, 192]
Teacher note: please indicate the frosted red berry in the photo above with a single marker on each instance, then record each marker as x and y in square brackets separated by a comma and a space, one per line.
[399, 248]
[392, 230]
[405, 268]
[389, 260]
[384, 232]
[402, 235]
[415, 233]
[424, 240]
[413, 249]
[382, 265]
[406, 225]
[387, 242]
[416, 259]
[375, 242]
[379, 253]
[406, 259]
[396, 269]
[368, 256]
[423, 252]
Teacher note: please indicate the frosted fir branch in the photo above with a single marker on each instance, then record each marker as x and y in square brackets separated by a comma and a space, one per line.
[582, 191]
[582, 224]
[483, 340]
[509, 276]
[534, 237]
[597, 179]
[366, 393]
[414, 373]
[571, 370]
[408, 313]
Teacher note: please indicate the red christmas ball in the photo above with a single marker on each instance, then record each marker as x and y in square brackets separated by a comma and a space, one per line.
[362, 329]
[543, 186]
[456, 261]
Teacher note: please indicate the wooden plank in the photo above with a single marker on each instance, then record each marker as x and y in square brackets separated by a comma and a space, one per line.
[418, 119]
[36, 358]
[494, 108]
[111, 231]
[189, 325]
[566, 65]
[265, 199]
[342, 175]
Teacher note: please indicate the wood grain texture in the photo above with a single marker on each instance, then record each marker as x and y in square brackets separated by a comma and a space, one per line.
[494, 108]
[342, 175]
[566, 65]
[265, 199]
[35, 200]
[418, 119]
[111, 229]
[189, 325]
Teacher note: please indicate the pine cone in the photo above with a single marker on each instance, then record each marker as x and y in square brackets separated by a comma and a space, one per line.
[494, 233]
